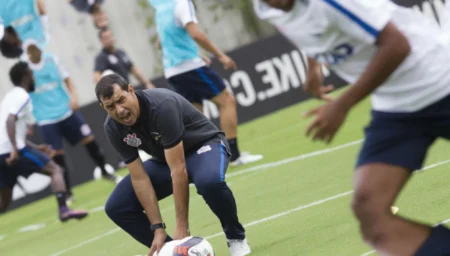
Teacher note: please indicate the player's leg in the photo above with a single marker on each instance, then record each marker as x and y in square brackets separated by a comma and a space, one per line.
[215, 91]
[206, 168]
[53, 136]
[394, 147]
[5, 197]
[203, 83]
[76, 130]
[59, 189]
[123, 206]
[8, 179]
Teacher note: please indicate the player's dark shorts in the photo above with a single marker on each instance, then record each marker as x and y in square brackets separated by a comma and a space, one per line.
[403, 139]
[30, 161]
[198, 84]
[74, 129]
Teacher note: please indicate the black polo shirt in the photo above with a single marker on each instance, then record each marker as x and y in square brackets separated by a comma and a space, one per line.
[166, 118]
[117, 61]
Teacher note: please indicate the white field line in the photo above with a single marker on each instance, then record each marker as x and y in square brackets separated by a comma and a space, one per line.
[256, 222]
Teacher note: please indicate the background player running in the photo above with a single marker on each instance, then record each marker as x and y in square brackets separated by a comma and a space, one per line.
[55, 107]
[17, 158]
[179, 37]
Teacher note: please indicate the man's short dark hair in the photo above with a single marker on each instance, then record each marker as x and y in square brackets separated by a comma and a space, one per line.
[17, 72]
[103, 30]
[8, 50]
[105, 87]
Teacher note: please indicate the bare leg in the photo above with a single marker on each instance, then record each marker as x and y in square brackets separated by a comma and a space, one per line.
[228, 113]
[56, 173]
[5, 198]
[376, 188]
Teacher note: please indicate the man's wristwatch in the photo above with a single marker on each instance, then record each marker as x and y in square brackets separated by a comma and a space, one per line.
[156, 226]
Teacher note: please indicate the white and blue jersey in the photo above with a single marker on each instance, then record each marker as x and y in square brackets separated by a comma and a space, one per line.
[180, 51]
[24, 17]
[51, 102]
[342, 34]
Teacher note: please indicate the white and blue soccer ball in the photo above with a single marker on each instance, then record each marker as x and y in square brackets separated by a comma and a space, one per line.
[189, 246]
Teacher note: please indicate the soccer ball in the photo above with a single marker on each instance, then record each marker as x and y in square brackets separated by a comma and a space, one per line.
[189, 246]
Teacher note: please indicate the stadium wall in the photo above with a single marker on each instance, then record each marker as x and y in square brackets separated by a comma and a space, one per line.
[74, 38]
[271, 73]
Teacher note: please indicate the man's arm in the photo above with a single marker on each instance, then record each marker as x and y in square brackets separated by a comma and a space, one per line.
[97, 77]
[377, 29]
[144, 190]
[185, 14]
[180, 183]
[169, 123]
[393, 48]
[138, 74]
[11, 130]
[65, 75]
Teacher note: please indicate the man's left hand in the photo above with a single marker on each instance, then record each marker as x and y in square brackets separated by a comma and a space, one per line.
[74, 104]
[181, 233]
[329, 118]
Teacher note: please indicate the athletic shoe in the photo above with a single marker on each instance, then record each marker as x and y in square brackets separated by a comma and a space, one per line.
[66, 214]
[239, 247]
[246, 158]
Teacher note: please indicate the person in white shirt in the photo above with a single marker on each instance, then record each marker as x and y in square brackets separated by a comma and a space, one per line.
[395, 55]
[19, 157]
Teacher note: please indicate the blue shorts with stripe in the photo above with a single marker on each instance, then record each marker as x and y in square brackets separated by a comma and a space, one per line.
[29, 162]
[198, 84]
[403, 139]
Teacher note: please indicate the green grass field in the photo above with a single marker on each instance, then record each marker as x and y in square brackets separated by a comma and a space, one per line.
[295, 202]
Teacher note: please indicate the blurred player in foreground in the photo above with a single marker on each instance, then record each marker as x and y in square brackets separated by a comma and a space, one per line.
[19, 157]
[55, 108]
[179, 37]
[186, 148]
[395, 55]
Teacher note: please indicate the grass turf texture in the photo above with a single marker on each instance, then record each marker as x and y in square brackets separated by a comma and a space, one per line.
[319, 228]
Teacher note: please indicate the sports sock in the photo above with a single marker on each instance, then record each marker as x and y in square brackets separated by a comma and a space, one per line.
[97, 155]
[438, 243]
[235, 154]
[60, 160]
[61, 198]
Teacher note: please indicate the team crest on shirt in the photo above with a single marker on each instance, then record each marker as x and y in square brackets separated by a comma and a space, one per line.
[132, 140]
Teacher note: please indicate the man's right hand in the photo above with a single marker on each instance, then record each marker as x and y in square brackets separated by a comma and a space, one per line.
[227, 62]
[13, 157]
[158, 241]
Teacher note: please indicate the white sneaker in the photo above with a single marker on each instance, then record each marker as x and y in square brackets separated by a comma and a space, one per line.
[246, 158]
[239, 247]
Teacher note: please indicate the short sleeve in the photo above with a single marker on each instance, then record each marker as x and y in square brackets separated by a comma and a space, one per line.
[100, 64]
[359, 19]
[128, 62]
[2, 29]
[127, 153]
[63, 72]
[21, 100]
[185, 12]
[169, 123]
